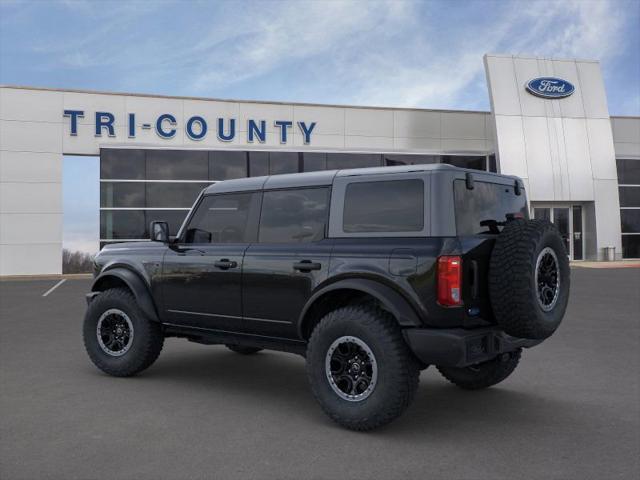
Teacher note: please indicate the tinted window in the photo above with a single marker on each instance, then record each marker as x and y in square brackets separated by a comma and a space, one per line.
[130, 194]
[493, 164]
[122, 164]
[227, 218]
[294, 215]
[631, 246]
[542, 213]
[487, 201]
[173, 195]
[385, 206]
[225, 165]
[353, 160]
[258, 164]
[630, 221]
[177, 165]
[314, 161]
[629, 196]
[474, 162]
[173, 217]
[122, 224]
[283, 162]
[628, 171]
[394, 160]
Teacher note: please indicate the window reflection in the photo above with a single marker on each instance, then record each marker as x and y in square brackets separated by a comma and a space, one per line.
[177, 165]
[226, 165]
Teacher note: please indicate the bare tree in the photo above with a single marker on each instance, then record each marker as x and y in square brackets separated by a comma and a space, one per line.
[76, 262]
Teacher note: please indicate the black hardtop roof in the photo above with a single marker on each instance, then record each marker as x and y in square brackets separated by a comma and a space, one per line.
[325, 177]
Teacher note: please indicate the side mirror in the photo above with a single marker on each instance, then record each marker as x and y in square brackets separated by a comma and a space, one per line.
[160, 231]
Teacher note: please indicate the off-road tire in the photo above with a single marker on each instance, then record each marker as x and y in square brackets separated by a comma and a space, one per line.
[484, 374]
[241, 349]
[398, 370]
[512, 279]
[147, 342]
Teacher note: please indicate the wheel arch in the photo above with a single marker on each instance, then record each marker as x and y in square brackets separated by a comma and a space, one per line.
[123, 277]
[349, 290]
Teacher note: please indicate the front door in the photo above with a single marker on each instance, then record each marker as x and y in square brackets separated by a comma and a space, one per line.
[568, 221]
[202, 271]
[561, 221]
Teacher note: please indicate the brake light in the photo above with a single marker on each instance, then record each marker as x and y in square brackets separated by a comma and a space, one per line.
[449, 280]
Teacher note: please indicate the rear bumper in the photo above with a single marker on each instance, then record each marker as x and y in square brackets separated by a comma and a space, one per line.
[457, 347]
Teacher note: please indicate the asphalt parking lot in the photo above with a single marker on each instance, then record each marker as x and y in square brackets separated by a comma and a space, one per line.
[570, 411]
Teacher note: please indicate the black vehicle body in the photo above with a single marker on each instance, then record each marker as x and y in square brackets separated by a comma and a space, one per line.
[272, 294]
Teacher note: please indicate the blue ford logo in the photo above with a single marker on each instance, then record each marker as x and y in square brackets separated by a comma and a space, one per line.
[550, 87]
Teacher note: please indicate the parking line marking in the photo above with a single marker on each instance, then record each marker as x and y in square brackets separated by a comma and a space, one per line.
[54, 287]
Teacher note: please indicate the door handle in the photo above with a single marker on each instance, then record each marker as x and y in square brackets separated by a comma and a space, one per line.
[225, 264]
[306, 266]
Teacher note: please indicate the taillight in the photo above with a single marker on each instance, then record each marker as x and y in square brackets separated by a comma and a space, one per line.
[449, 280]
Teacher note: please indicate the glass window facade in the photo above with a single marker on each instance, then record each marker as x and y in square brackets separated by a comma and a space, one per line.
[628, 171]
[122, 195]
[258, 164]
[284, 162]
[224, 165]
[314, 161]
[138, 185]
[123, 164]
[353, 160]
[172, 195]
[465, 161]
[172, 165]
[629, 194]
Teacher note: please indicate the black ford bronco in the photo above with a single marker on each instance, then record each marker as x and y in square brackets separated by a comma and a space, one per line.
[371, 274]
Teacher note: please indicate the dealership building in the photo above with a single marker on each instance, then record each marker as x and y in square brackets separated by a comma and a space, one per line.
[549, 124]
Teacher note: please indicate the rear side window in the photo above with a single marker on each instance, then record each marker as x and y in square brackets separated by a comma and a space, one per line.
[486, 202]
[294, 216]
[384, 206]
[227, 218]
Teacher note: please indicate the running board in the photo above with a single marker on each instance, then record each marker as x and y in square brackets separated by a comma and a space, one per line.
[208, 336]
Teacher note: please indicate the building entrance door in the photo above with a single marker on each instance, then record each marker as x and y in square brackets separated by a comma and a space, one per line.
[568, 220]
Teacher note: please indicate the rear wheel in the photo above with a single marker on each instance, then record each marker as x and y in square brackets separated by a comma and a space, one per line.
[483, 375]
[242, 349]
[118, 337]
[360, 369]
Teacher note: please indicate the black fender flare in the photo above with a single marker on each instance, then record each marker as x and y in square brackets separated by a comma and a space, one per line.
[395, 303]
[137, 286]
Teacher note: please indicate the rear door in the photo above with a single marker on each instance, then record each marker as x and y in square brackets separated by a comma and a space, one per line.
[480, 213]
[202, 272]
[290, 258]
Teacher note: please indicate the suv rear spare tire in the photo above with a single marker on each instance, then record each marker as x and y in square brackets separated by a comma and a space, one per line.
[529, 279]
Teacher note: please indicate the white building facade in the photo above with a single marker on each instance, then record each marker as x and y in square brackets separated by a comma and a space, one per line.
[549, 124]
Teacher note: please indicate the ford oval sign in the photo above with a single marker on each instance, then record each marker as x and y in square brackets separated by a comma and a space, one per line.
[550, 87]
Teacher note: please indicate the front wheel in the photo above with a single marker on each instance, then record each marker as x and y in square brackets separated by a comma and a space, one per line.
[118, 337]
[360, 369]
[483, 375]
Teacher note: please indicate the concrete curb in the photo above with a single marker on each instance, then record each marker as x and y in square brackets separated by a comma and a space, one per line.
[68, 276]
[616, 264]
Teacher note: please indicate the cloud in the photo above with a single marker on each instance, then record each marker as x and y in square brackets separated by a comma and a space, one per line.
[275, 38]
[561, 29]
[392, 53]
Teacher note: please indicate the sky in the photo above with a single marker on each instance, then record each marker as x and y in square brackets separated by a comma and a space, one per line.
[379, 53]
